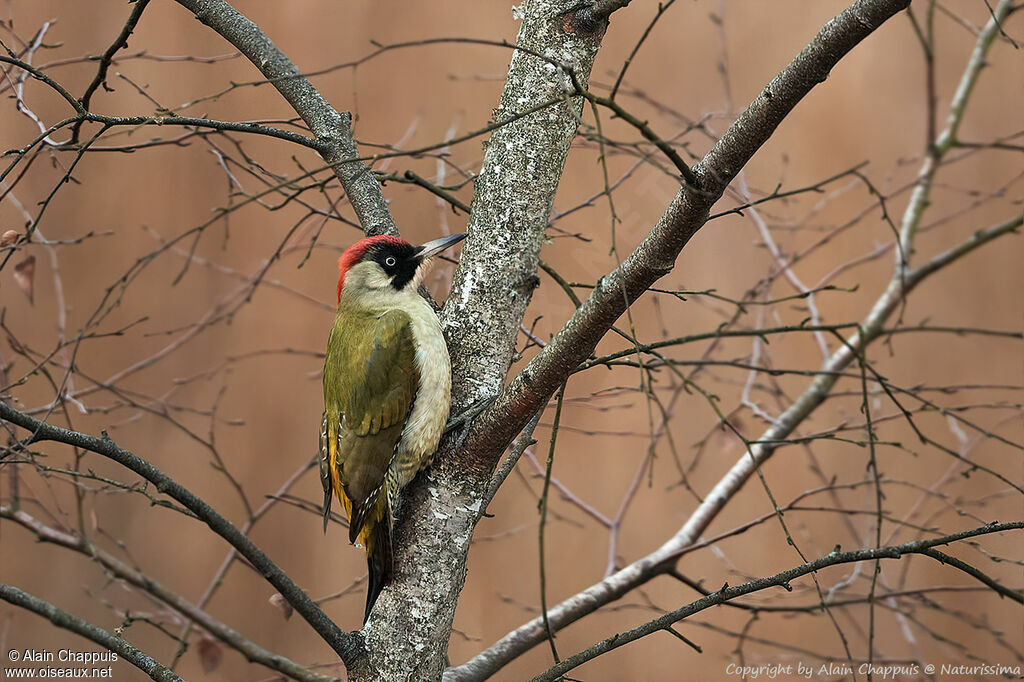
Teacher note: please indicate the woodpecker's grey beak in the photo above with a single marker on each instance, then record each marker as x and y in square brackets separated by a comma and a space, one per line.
[432, 248]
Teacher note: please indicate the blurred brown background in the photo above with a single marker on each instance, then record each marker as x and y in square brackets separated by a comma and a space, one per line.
[268, 403]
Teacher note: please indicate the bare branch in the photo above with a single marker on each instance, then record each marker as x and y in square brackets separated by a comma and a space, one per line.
[67, 621]
[233, 638]
[347, 646]
[712, 381]
[119, 43]
[783, 579]
[333, 129]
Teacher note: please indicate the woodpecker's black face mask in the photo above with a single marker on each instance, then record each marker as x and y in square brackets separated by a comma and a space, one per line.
[399, 262]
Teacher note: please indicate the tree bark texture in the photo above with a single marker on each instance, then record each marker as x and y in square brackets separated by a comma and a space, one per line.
[512, 200]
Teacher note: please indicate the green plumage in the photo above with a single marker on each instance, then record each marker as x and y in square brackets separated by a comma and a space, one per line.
[370, 381]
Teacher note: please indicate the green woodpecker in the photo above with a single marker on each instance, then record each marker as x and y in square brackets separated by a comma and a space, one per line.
[387, 390]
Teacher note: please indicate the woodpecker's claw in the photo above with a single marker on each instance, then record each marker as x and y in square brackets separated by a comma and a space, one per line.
[469, 414]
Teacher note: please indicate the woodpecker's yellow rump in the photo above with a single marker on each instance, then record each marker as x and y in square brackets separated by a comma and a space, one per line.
[387, 391]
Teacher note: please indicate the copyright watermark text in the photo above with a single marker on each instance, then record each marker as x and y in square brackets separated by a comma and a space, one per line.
[58, 663]
[878, 671]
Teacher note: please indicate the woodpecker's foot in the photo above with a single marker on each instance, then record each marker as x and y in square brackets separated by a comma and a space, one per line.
[469, 414]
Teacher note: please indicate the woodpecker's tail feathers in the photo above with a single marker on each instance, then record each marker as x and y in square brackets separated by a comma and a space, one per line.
[370, 524]
[379, 559]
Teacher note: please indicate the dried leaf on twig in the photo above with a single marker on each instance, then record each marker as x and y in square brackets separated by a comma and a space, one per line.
[25, 276]
[277, 600]
[210, 653]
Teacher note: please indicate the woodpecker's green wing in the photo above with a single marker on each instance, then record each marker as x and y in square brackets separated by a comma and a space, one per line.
[370, 381]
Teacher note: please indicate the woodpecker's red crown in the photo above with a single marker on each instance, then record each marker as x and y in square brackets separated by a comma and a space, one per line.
[359, 251]
[399, 259]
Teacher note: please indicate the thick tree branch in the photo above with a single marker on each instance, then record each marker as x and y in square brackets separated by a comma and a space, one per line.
[63, 619]
[348, 646]
[596, 12]
[330, 127]
[512, 200]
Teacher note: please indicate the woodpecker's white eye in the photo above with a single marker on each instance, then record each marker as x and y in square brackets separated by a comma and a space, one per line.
[390, 261]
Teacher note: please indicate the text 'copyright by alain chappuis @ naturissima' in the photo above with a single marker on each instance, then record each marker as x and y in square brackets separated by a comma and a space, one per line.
[58, 663]
[878, 671]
